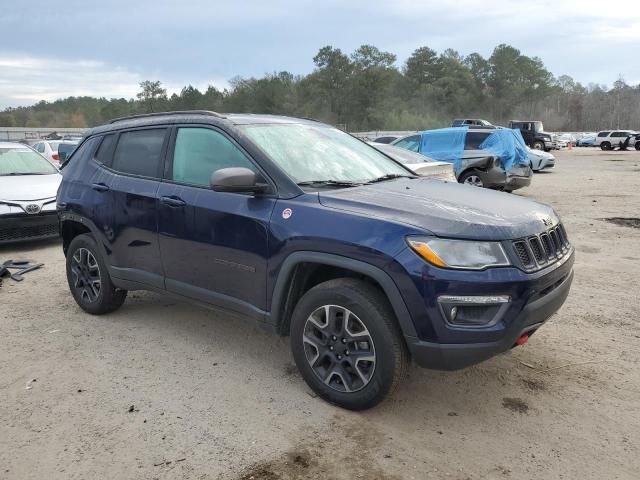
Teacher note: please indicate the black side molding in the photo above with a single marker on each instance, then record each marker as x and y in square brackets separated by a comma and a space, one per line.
[280, 291]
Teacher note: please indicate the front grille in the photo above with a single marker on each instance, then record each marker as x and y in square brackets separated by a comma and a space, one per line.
[541, 250]
[28, 228]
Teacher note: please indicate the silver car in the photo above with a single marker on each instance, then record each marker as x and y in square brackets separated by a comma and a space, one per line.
[28, 187]
[419, 164]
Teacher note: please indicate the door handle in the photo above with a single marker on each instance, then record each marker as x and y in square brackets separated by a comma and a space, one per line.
[100, 187]
[173, 201]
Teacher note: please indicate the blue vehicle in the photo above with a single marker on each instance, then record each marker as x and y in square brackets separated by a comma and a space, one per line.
[313, 234]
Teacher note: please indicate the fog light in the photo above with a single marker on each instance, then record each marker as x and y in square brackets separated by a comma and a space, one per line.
[472, 311]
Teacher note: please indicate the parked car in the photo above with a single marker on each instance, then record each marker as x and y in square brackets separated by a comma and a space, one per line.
[563, 140]
[586, 140]
[419, 164]
[478, 122]
[385, 139]
[472, 164]
[611, 139]
[49, 148]
[539, 159]
[314, 234]
[65, 149]
[534, 134]
[28, 185]
[634, 140]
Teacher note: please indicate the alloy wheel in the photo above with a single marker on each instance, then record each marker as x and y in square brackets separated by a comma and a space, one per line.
[339, 348]
[86, 275]
[474, 180]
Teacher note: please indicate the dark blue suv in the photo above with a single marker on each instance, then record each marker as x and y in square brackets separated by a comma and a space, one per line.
[314, 234]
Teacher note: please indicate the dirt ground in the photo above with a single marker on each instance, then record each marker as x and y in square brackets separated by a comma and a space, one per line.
[162, 390]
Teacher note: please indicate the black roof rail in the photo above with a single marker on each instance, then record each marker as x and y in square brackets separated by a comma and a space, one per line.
[162, 114]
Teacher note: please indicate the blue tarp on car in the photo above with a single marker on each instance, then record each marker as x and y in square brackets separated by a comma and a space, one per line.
[447, 145]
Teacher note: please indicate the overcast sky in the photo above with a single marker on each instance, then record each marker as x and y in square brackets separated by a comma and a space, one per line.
[50, 50]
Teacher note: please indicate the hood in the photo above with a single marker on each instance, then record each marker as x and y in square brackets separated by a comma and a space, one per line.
[29, 187]
[445, 209]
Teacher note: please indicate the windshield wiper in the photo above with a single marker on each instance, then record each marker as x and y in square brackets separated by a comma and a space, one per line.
[337, 183]
[389, 176]
[19, 173]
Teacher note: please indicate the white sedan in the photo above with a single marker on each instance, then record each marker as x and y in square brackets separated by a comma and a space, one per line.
[28, 188]
[49, 148]
[539, 159]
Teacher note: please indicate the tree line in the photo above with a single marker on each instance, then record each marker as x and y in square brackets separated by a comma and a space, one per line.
[365, 90]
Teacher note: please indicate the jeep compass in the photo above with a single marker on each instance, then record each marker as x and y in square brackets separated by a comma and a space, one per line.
[313, 234]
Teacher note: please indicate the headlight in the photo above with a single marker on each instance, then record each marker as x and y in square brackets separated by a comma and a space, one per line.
[461, 254]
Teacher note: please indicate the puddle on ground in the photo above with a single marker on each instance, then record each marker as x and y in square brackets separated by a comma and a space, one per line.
[633, 222]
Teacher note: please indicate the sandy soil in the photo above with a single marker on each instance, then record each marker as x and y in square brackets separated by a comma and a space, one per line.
[161, 389]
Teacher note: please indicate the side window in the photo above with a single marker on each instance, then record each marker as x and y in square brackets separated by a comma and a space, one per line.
[139, 152]
[603, 134]
[201, 151]
[104, 154]
[473, 140]
[83, 151]
[411, 143]
[40, 147]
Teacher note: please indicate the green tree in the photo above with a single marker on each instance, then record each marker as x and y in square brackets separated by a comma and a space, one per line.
[152, 96]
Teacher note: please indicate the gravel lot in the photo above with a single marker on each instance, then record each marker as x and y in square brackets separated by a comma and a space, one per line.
[161, 389]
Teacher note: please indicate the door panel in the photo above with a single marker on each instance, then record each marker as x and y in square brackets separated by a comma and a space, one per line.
[214, 247]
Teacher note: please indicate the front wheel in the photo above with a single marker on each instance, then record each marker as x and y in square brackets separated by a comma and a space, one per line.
[89, 280]
[638, 144]
[538, 145]
[473, 178]
[347, 344]
[605, 146]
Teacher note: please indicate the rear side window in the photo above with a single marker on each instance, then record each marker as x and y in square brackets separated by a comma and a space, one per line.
[411, 143]
[200, 151]
[139, 152]
[84, 151]
[473, 140]
[104, 154]
[603, 134]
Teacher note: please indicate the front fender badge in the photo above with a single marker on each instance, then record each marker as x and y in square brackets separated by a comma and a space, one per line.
[286, 213]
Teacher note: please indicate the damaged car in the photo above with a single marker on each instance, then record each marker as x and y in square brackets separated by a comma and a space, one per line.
[483, 157]
[315, 235]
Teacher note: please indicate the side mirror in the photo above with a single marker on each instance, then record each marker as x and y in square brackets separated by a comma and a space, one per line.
[237, 180]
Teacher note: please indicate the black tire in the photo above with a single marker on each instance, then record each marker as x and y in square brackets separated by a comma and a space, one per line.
[538, 145]
[475, 178]
[85, 267]
[638, 144]
[336, 356]
[605, 146]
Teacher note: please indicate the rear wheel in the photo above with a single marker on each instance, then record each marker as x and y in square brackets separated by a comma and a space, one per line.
[474, 178]
[89, 279]
[346, 343]
[638, 144]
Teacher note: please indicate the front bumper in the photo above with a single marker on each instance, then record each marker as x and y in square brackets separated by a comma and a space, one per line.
[437, 344]
[455, 356]
[24, 227]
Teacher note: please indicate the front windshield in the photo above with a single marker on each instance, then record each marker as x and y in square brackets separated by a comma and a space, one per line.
[537, 127]
[23, 161]
[309, 153]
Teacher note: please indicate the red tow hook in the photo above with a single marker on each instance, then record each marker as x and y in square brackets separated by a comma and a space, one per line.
[522, 340]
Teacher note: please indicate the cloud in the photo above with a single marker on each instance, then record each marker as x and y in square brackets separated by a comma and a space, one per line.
[106, 48]
[26, 80]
